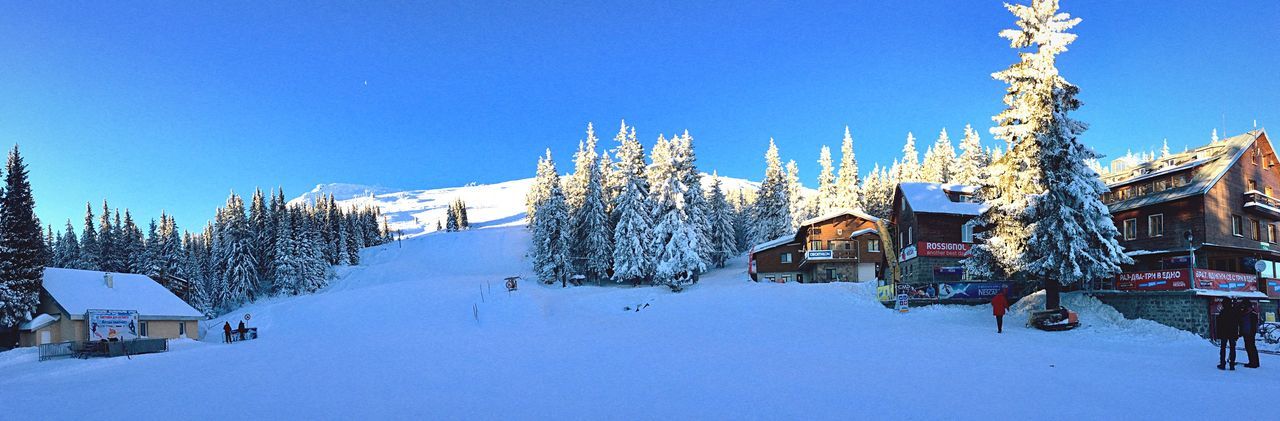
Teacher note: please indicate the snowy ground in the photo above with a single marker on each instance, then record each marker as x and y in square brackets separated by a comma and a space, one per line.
[397, 338]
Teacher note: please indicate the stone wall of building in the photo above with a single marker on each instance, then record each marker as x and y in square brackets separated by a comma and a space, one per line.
[920, 270]
[1180, 309]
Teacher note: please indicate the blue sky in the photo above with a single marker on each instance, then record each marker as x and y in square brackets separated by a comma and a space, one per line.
[162, 106]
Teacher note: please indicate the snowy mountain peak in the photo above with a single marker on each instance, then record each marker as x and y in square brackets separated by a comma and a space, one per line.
[340, 191]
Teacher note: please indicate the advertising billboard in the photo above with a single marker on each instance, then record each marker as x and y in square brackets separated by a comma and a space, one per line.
[934, 249]
[971, 290]
[112, 324]
[1155, 280]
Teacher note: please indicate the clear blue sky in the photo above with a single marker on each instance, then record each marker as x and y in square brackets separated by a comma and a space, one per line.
[161, 106]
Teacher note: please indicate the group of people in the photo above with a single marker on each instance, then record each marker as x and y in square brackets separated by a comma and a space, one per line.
[227, 330]
[1238, 319]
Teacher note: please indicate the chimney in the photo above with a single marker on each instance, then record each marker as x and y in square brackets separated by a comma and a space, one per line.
[106, 277]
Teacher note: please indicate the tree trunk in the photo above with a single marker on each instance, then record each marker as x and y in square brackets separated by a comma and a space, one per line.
[1051, 294]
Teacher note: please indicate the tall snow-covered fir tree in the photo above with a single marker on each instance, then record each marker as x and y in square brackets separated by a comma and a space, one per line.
[633, 248]
[771, 212]
[848, 194]
[132, 246]
[742, 220]
[676, 259]
[828, 195]
[877, 192]
[590, 243]
[551, 232]
[660, 155]
[234, 255]
[723, 243]
[938, 160]
[1044, 218]
[89, 248]
[68, 250]
[451, 217]
[1164, 148]
[261, 230]
[21, 248]
[973, 160]
[797, 204]
[541, 190]
[575, 189]
[107, 253]
[696, 207]
[908, 168]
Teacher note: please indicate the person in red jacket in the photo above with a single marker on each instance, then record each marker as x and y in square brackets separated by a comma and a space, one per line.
[226, 331]
[998, 305]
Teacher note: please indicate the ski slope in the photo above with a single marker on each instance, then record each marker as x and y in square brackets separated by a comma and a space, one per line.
[425, 330]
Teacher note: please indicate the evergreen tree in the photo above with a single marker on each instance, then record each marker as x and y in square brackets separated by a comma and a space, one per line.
[972, 160]
[539, 192]
[938, 160]
[550, 251]
[677, 260]
[1164, 149]
[68, 251]
[90, 251]
[451, 217]
[878, 190]
[21, 247]
[847, 193]
[285, 260]
[591, 246]
[633, 234]
[131, 246]
[234, 255]
[107, 253]
[697, 208]
[260, 230]
[798, 206]
[742, 221]
[771, 213]
[1044, 216]
[576, 189]
[722, 238]
[908, 169]
[828, 193]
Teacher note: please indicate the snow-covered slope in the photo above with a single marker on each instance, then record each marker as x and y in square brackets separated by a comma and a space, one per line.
[424, 329]
[416, 212]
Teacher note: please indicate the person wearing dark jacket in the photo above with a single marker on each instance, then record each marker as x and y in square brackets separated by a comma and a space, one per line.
[1228, 330]
[226, 332]
[998, 305]
[241, 330]
[1249, 331]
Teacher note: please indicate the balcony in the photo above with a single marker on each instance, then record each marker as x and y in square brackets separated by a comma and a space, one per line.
[1260, 202]
[819, 255]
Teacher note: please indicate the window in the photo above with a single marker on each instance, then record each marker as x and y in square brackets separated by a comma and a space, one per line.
[831, 273]
[1253, 184]
[786, 257]
[910, 238]
[1255, 230]
[1267, 190]
[816, 231]
[1271, 233]
[1131, 228]
[769, 278]
[966, 233]
[816, 245]
[1155, 225]
[873, 246]
[1237, 226]
[182, 329]
[848, 245]
[142, 329]
[1162, 185]
[786, 278]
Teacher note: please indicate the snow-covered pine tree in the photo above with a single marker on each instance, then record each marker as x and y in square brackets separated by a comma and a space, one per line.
[610, 192]
[696, 207]
[235, 255]
[451, 217]
[938, 160]
[847, 193]
[878, 190]
[286, 267]
[590, 245]
[463, 222]
[315, 268]
[741, 221]
[69, 248]
[722, 236]
[355, 238]
[550, 246]
[260, 228]
[49, 244]
[909, 165]
[21, 248]
[771, 212]
[633, 248]
[798, 205]
[107, 253]
[677, 260]
[1044, 217]
[1164, 148]
[973, 160]
[544, 179]
[132, 247]
[90, 250]
[661, 169]
[576, 188]
[828, 195]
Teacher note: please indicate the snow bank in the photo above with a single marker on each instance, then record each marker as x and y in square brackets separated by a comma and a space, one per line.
[1098, 316]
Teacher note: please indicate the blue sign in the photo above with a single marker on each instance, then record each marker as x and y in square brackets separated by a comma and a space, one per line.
[971, 290]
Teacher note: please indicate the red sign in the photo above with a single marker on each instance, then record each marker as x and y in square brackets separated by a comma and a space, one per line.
[932, 249]
[1225, 281]
[1156, 280]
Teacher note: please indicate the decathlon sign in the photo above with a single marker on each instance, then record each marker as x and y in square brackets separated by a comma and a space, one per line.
[818, 254]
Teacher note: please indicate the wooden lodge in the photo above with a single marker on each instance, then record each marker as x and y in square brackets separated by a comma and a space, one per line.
[843, 245]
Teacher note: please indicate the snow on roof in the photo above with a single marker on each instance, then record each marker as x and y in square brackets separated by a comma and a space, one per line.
[78, 291]
[857, 213]
[932, 198]
[1217, 158]
[861, 231]
[40, 321]
[1229, 294]
[773, 243]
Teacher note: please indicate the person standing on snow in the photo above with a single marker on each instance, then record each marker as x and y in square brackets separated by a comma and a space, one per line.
[1249, 330]
[1228, 330]
[241, 330]
[226, 332]
[998, 304]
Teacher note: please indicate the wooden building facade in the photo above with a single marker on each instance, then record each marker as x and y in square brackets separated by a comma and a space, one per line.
[843, 245]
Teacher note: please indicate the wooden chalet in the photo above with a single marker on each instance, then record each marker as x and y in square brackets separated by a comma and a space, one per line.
[933, 228]
[842, 245]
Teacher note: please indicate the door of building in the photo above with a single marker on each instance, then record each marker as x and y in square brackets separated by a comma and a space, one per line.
[866, 272]
[45, 337]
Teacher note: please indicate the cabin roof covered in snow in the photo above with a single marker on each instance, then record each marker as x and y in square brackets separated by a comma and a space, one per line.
[835, 213]
[78, 291]
[862, 231]
[773, 243]
[40, 321]
[1207, 165]
[933, 198]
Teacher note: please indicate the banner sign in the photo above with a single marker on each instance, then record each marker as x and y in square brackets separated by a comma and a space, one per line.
[949, 270]
[1180, 279]
[818, 254]
[907, 254]
[918, 291]
[901, 303]
[885, 292]
[1156, 280]
[1273, 287]
[932, 249]
[971, 290]
[112, 324]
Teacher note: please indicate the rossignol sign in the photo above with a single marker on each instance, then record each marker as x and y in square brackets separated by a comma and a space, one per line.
[934, 249]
